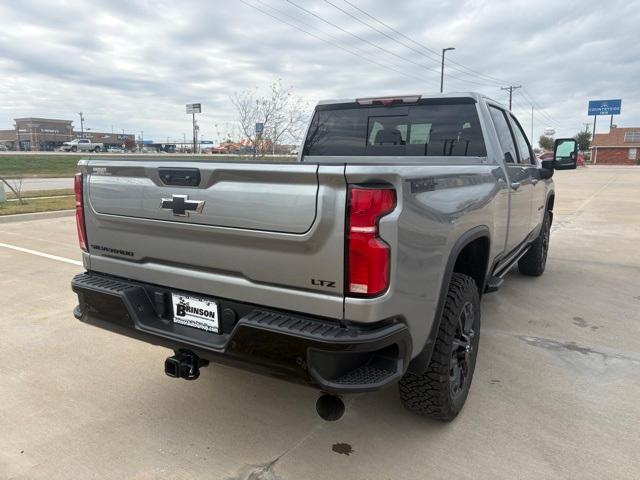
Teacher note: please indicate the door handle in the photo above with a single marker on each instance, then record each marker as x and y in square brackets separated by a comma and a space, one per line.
[515, 185]
[534, 181]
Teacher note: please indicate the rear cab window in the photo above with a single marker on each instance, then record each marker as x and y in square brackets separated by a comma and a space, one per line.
[432, 127]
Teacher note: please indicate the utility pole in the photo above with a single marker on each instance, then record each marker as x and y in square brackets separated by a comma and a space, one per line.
[511, 88]
[81, 125]
[531, 138]
[442, 68]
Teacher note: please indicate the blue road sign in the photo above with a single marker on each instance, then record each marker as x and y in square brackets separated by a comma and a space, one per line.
[605, 107]
[259, 128]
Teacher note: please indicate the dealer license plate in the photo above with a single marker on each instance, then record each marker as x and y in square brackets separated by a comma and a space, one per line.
[196, 312]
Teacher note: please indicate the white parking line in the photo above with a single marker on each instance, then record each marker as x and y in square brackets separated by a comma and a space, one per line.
[41, 254]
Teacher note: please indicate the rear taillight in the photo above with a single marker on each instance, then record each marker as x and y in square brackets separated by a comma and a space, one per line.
[367, 254]
[82, 232]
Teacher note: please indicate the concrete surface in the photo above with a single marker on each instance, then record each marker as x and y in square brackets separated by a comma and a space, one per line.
[555, 393]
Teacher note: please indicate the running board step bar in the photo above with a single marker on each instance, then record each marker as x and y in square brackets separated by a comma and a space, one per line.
[494, 284]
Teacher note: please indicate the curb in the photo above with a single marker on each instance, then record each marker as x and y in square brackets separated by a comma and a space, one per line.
[23, 217]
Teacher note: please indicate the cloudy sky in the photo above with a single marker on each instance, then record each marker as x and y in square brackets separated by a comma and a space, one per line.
[134, 65]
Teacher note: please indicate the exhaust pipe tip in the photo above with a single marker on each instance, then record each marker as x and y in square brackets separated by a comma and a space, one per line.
[330, 407]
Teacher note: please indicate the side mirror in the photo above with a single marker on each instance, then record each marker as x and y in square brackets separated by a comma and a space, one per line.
[565, 154]
[547, 169]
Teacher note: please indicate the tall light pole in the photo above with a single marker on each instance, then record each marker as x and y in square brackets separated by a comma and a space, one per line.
[81, 125]
[442, 68]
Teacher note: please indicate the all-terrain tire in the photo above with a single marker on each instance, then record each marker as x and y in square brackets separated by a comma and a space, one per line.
[534, 261]
[437, 393]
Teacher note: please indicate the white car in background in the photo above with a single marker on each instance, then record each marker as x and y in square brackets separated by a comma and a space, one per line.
[82, 145]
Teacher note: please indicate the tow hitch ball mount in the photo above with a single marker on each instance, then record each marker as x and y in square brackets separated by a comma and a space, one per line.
[184, 364]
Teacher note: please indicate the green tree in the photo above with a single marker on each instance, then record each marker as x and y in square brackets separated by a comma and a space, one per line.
[546, 143]
[584, 140]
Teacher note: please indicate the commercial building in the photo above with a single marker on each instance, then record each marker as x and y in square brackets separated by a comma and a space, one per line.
[47, 134]
[621, 146]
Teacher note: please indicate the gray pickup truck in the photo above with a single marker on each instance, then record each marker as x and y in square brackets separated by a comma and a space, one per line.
[360, 266]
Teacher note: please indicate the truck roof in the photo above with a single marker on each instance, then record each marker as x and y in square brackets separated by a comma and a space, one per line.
[475, 95]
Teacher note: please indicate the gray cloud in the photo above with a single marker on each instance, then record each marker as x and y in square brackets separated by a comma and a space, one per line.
[134, 65]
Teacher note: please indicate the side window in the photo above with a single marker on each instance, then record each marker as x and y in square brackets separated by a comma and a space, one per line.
[504, 134]
[526, 157]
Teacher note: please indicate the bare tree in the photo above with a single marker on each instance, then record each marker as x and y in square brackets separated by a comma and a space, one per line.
[15, 186]
[282, 114]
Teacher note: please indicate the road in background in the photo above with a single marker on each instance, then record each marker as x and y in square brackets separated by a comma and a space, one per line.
[30, 184]
[554, 395]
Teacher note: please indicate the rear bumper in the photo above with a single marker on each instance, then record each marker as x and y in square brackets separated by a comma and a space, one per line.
[315, 351]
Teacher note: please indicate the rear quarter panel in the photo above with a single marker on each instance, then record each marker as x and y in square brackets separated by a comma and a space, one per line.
[437, 204]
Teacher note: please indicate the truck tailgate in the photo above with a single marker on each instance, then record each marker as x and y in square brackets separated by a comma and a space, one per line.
[259, 233]
[269, 198]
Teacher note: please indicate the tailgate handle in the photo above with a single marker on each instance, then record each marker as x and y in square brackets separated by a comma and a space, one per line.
[181, 177]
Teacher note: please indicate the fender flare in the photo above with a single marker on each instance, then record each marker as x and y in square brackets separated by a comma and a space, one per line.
[548, 205]
[420, 363]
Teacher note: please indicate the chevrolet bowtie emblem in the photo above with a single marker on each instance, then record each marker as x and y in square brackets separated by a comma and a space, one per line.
[181, 205]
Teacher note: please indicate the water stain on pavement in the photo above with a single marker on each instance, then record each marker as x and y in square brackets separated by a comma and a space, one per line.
[602, 362]
[582, 323]
[342, 448]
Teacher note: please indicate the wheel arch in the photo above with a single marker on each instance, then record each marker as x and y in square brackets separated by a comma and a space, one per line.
[551, 198]
[469, 241]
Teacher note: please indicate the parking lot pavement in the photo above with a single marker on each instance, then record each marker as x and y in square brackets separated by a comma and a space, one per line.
[555, 393]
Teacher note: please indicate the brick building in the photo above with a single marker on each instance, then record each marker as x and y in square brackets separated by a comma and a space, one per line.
[46, 134]
[621, 146]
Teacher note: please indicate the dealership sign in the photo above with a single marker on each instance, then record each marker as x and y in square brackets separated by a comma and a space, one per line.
[194, 108]
[605, 107]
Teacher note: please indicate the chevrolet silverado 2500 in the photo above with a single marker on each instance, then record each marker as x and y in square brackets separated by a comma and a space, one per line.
[360, 266]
